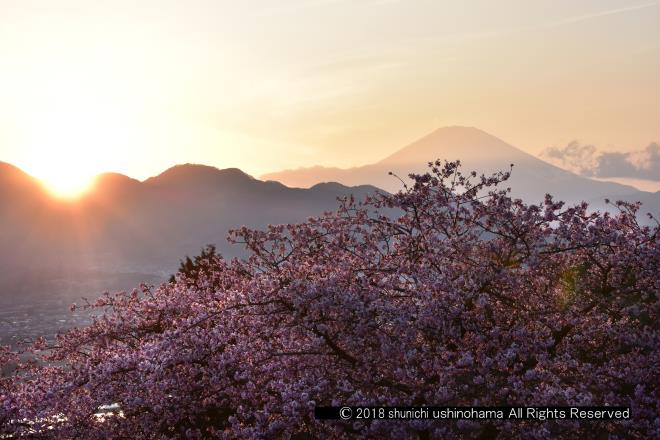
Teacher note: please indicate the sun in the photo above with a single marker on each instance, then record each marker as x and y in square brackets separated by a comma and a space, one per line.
[64, 163]
[73, 136]
[69, 184]
[63, 158]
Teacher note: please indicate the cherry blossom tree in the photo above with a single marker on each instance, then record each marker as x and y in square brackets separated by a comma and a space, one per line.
[447, 293]
[8, 409]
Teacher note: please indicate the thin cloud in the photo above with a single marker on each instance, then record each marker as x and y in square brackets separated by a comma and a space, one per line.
[306, 4]
[579, 18]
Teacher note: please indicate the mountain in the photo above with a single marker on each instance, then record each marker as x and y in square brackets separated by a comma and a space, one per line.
[125, 227]
[531, 179]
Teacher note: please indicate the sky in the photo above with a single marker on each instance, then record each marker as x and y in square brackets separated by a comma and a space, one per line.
[137, 86]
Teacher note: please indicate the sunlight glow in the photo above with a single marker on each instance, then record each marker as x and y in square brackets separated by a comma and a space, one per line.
[73, 133]
[67, 185]
[68, 189]
[70, 142]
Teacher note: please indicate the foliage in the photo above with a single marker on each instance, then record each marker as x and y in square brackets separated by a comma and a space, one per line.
[198, 267]
[8, 409]
[466, 298]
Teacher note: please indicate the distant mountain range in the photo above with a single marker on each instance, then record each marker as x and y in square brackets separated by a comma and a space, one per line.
[125, 229]
[531, 179]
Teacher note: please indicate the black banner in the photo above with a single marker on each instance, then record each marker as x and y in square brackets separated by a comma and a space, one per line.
[472, 412]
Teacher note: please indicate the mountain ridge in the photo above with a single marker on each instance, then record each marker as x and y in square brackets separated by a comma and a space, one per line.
[123, 225]
[466, 136]
[477, 150]
[185, 173]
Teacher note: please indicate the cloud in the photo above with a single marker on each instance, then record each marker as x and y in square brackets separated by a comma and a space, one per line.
[588, 161]
[580, 159]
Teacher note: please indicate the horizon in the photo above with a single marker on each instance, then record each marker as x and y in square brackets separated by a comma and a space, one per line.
[87, 186]
[135, 87]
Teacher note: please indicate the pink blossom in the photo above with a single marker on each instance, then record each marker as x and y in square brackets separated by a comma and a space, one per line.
[447, 293]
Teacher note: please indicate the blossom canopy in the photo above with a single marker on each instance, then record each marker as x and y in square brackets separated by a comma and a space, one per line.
[448, 293]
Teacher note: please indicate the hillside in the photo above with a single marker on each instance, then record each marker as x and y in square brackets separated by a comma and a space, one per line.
[124, 226]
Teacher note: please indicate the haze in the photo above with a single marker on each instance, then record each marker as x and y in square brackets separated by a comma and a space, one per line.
[137, 86]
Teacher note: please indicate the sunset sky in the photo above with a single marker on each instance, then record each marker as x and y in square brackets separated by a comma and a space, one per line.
[137, 86]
